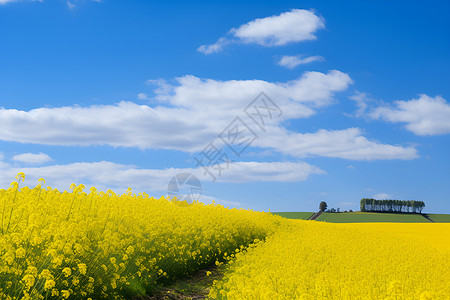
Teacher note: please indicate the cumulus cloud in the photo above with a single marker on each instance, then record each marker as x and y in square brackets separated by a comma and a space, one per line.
[108, 175]
[423, 116]
[289, 27]
[32, 158]
[347, 144]
[291, 62]
[194, 111]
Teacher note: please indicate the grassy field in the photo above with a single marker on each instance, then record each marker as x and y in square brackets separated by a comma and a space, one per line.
[294, 215]
[361, 217]
[358, 217]
[439, 218]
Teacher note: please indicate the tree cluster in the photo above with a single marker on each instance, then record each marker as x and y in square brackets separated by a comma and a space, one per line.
[370, 204]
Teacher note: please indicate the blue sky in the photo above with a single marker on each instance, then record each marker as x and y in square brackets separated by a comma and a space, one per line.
[118, 94]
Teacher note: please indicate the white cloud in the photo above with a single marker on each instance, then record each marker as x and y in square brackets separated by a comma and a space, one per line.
[216, 47]
[108, 175]
[347, 143]
[361, 100]
[32, 158]
[142, 96]
[194, 111]
[10, 1]
[289, 27]
[291, 62]
[382, 196]
[71, 4]
[227, 203]
[423, 116]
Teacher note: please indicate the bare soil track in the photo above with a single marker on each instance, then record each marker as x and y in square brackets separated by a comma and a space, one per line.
[195, 287]
[315, 216]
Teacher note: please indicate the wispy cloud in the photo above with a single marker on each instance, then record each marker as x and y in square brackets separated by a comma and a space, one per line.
[142, 96]
[362, 101]
[382, 196]
[10, 1]
[291, 62]
[289, 27]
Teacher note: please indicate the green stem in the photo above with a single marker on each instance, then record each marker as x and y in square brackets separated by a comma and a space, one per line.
[71, 205]
[4, 208]
[12, 207]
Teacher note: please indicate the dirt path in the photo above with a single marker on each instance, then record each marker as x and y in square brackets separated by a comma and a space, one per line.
[315, 216]
[195, 287]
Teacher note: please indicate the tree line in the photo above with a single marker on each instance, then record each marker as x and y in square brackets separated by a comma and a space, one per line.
[370, 204]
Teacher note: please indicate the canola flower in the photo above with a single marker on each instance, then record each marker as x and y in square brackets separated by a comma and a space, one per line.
[315, 260]
[97, 245]
[100, 245]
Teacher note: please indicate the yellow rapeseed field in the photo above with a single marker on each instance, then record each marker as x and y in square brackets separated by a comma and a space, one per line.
[315, 260]
[97, 245]
[59, 245]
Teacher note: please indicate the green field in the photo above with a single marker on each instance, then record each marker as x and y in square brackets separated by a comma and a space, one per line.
[356, 217]
[439, 218]
[294, 215]
[361, 217]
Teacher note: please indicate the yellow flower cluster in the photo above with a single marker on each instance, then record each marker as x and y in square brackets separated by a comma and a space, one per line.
[96, 245]
[315, 260]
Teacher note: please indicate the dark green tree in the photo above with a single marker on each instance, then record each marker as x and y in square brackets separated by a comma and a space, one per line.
[323, 206]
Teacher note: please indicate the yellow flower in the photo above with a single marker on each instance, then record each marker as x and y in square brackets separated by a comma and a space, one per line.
[20, 252]
[82, 268]
[67, 272]
[49, 284]
[29, 280]
[46, 274]
[65, 294]
[130, 250]
[20, 176]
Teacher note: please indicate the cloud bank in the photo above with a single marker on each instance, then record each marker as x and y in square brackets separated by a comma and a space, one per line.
[194, 111]
[108, 175]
